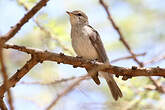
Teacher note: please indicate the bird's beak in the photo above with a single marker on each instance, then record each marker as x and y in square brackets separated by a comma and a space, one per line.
[69, 13]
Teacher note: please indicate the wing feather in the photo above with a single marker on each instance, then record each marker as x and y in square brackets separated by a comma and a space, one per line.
[98, 45]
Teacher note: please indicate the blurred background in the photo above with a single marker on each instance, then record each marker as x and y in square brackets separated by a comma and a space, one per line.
[140, 21]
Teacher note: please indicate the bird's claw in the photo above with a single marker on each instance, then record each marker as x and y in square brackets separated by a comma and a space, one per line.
[94, 61]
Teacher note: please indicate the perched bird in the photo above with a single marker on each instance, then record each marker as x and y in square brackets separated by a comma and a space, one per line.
[87, 44]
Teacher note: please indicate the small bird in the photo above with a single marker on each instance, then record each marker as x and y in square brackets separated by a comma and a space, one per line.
[87, 44]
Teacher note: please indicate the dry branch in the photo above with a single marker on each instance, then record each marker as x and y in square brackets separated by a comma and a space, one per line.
[46, 31]
[120, 34]
[40, 56]
[79, 62]
[141, 64]
[2, 105]
[5, 78]
[50, 83]
[25, 19]
[67, 90]
[127, 57]
[18, 75]
[4, 38]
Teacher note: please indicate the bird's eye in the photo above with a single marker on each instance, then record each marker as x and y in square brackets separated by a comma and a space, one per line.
[79, 14]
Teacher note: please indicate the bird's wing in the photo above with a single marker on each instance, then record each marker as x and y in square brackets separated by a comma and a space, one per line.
[98, 45]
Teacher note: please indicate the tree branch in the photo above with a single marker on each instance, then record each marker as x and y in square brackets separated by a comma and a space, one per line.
[40, 56]
[67, 90]
[2, 105]
[25, 19]
[127, 57]
[5, 78]
[18, 75]
[79, 62]
[120, 34]
[46, 31]
[141, 64]
[50, 83]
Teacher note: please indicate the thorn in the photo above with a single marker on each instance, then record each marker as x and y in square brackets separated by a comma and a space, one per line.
[74, 66]
[126, 77]
[18, 70]
[134, 67]
[41, 61]
[61, 54]
[117, 75]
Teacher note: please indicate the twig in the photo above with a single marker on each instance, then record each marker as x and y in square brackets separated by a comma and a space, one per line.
[2, 105]
[25, 19]
[18, 75]
[127, 57]
[51, 83]
[5, 78]
[7, 84]
[157, 85]
[120, 34]
[42, 28]
[155, 59]
[67, 90]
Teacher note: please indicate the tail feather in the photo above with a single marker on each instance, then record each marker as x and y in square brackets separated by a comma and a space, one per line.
[115, 90]
[95, 77]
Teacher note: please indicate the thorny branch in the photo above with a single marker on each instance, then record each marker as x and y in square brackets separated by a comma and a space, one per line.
[141, 64]
[19, 74]
[119, 32]
[79, 62]
[25, 19]
[5, 77]
[67, 90]
[40, 56]
[4, 39]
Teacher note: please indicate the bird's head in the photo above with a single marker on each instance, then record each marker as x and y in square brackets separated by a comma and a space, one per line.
[78, 17]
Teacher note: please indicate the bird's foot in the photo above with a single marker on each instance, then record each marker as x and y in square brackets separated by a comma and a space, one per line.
[94, 61]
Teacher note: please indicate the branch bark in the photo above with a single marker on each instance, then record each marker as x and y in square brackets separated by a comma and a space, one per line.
[2, 105]
[40, 56]
[79, 62]
[5, 78]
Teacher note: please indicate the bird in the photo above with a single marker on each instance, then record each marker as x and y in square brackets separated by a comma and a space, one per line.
[87, 44]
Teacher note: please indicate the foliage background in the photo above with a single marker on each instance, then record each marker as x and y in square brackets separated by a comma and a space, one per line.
[142, 24]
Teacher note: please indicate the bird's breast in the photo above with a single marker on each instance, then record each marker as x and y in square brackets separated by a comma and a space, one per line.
[82, 45]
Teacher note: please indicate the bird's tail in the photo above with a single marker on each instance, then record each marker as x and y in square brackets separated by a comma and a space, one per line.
[95, 77]
[115, 90]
